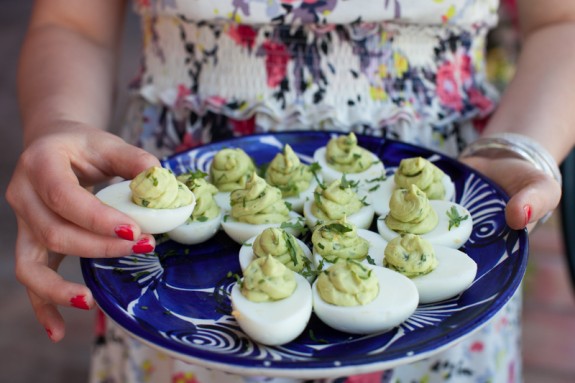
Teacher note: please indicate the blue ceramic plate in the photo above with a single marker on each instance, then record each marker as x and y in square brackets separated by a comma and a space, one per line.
[176, 300]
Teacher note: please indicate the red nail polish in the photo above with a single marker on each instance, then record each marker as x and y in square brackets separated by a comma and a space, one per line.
[527, 210]
[124, 232]
[49, 332]
[143, 246]
[79, 301]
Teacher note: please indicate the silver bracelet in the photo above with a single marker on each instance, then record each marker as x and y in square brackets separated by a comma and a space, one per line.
[518, 146]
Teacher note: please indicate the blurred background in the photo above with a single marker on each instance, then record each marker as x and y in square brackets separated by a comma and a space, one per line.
[27, 355]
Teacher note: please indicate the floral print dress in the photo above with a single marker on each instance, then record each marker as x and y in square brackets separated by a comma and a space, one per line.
[412, 70]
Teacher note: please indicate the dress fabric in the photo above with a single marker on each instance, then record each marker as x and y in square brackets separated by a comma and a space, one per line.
[405, 69]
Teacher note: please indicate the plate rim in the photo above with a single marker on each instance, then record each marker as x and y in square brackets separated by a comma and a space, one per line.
[327, 366]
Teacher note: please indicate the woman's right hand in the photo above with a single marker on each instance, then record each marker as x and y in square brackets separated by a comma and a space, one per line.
[58, 215]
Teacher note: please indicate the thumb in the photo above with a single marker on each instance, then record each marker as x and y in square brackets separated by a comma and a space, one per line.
[532, 202]
[123, 159]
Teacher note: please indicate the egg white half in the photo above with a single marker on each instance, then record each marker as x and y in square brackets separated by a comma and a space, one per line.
[151, 221]
[361, 219]
[396, 301]
[329, 174]
[298, 201]
[241, 231]
[381, 196]
[454, 273]
[246, 254]
[193, 232]
[376, 251]
[441, 235]
[274, 323]
[223, 200]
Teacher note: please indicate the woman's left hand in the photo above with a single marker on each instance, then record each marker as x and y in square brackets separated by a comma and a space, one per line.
[532, 192]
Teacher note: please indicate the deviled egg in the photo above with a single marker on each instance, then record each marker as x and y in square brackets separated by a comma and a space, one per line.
[295, 180]
[440, 222]
[272, 304]
[155, 199]
[362, 299]
[207, 215]
[339, 240]
[256, 207]
[419, 171]
[335, 201]
[283, 246]
[342, 155]
[230, 169]
[439, 272]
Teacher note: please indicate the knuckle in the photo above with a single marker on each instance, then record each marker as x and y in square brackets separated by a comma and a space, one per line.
[56, 198]
[109, 251]
[20, 273]
[51, 238]
[11, 195]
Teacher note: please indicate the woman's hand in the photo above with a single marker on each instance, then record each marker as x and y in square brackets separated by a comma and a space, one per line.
[532, 193]
[57, 213]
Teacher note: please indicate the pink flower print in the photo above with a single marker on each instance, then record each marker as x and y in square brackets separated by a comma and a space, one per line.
[511, 372]
[216, 101]
[187, 142]
[277, 57]
[243, 35]
[478, 99]
[183, 92]
[323, 28]
[479, 124]
[374, 377]
[243, 127]
[448, 88]
[502, 324]
[477, 347]
[184, 377]
[464, 65]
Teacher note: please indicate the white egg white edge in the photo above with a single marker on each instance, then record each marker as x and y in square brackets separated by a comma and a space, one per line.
[194, 232]
[376, 251]
[362, 219]
[241, 232]
[223, 200]
[380, 197]
[274, 323]
[298, 201]
[151, 221]
[396, 300]
[454, 273]
[440, 235]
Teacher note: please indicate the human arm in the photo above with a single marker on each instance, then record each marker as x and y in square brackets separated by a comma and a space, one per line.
[66, 86]
[538, 103]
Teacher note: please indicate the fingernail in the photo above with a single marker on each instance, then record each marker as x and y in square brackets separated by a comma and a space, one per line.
[527, 211]
[49, 332]
[143, 246]
[124, 232]
[79, 301]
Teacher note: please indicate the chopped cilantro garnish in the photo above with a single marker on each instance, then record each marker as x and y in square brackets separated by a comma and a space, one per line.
[455, 218]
